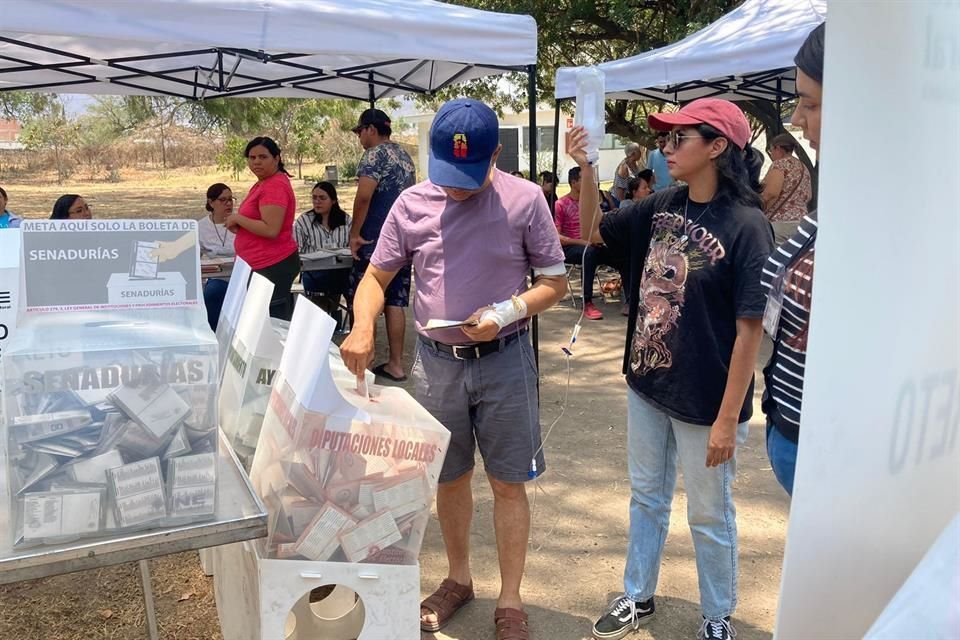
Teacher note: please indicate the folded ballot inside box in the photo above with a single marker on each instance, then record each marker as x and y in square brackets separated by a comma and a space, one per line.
[346, 477]
[112, 423]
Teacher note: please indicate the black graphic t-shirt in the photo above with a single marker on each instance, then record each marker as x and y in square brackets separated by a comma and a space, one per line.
[695, 268]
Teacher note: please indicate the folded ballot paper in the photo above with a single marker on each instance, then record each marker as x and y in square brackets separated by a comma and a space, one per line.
[346, 477]
[144, 265]
[112, 426]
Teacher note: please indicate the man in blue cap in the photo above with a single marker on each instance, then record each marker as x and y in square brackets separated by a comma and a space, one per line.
[472, 234]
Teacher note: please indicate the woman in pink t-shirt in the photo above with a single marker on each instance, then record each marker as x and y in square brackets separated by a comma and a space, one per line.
[264, 224]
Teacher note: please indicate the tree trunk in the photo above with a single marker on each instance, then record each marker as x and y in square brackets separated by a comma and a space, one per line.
[56, 156]
[163, 146]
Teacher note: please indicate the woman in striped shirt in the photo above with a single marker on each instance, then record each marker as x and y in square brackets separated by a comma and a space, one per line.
[788, 279]
[325, 226]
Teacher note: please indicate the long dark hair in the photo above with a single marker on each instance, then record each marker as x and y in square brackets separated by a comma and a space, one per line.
[269, 145]
[61, 208]
[214, 191]
[337, 217]
[738, 171]
[810, 56]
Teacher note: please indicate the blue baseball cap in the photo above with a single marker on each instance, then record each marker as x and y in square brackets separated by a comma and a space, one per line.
[464, 136]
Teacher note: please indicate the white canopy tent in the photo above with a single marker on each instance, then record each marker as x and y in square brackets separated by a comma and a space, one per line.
[203, 49]
[199, 49]
[745, 55]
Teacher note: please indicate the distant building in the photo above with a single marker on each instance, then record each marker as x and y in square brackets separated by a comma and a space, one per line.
[10, 135]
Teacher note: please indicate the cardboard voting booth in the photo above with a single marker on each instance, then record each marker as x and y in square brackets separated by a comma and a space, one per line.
[252, 359]
[232, 307]
[348, 480]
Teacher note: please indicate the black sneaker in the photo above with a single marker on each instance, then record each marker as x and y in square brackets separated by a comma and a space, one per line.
[719, 629]
[623, 616]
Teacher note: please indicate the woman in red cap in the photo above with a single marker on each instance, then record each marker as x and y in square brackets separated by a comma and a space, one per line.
[695, 254]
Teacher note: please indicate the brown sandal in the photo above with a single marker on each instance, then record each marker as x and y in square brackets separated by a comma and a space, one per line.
[511, 624]
[449, 598]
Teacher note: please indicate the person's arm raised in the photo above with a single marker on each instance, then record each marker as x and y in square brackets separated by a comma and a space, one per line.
[589, 190]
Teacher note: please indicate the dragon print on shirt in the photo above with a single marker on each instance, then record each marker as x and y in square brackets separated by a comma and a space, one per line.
[675, 253]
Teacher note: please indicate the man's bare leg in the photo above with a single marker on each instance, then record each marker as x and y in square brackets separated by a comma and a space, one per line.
[511, 522]
[455, 512]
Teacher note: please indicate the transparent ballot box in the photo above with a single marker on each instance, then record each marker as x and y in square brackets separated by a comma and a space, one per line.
[110, 423]
[348, 489]
[347, 475]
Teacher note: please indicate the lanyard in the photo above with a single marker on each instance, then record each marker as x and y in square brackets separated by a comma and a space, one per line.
[774, 306]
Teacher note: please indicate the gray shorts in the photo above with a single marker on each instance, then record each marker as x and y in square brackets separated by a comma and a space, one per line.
[490, 402]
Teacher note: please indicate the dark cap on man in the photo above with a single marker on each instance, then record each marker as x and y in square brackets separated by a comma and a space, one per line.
[373, 117]
[463, 138]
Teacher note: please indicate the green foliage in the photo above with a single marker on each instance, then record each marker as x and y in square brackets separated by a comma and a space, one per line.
[231, 157]
[583, 32]
[52, 131]
[23, 105]
[348, 168]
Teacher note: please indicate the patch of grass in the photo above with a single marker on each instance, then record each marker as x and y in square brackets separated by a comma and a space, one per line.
[176, 193]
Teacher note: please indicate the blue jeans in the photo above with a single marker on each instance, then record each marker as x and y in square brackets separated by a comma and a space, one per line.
[654, 443]
[783, 457]
[214, 291]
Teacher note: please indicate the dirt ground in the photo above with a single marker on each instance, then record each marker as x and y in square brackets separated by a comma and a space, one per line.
[578, 537]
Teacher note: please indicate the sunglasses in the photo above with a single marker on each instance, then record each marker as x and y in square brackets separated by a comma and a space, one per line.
[676, 138]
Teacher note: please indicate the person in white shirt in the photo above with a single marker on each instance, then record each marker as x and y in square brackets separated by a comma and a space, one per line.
[325, 226]
[216, 241]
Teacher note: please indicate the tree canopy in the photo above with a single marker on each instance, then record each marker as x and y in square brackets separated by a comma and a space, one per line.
[585, 32]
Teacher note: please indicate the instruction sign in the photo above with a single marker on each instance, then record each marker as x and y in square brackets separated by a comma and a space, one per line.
[81, 265]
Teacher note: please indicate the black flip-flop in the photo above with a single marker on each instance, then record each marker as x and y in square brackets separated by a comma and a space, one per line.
[381, 372]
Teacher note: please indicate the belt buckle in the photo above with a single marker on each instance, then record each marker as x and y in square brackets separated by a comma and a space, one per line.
[457, 356]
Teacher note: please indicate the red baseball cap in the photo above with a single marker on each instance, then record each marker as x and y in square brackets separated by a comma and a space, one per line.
[722, 115]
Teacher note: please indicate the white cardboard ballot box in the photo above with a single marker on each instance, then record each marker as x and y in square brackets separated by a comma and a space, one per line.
[263, 599]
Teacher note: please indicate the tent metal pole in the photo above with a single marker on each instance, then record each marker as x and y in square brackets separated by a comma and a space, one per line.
[373, 95]
[532, 95]
[532, 153]
[556, 146]
[780, 128]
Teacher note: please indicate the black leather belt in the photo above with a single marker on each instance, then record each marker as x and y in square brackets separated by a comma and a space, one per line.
[474, 351]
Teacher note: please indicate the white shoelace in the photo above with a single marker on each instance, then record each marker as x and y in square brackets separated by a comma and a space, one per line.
[622, 604]
[715, 629]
